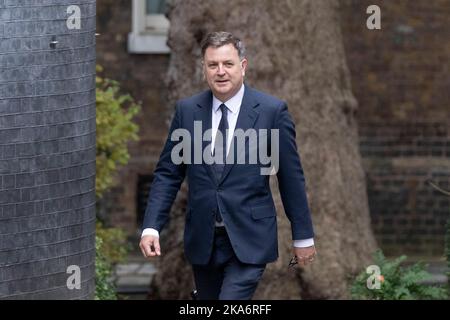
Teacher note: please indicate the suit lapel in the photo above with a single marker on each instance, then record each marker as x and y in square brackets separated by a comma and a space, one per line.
[204, 114]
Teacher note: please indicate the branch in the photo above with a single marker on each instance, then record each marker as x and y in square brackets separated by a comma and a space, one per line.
[438, 188]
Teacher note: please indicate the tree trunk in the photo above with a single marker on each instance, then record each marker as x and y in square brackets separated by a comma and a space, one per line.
[296, 53]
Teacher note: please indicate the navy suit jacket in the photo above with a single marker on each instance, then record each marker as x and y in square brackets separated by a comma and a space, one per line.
[242, 193]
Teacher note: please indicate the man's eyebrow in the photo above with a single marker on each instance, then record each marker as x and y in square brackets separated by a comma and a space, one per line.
[213, 61]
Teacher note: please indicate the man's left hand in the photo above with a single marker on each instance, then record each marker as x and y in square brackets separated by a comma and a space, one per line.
[305, 255]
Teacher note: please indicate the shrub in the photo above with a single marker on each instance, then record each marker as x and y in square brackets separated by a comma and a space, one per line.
[104, 283]
[115, 129]
[396, 282]
[111, 248]
[447, 252]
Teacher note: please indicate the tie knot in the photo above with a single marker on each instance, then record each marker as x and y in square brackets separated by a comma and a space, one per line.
[223, 108]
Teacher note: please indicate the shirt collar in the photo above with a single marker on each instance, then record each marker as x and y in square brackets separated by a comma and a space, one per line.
[233, 104]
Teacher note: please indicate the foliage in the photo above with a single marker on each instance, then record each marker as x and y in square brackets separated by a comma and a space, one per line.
[447, 251]
[115, 245]
[396, 282]
[111, 248]
[104, 284]
[115, 129]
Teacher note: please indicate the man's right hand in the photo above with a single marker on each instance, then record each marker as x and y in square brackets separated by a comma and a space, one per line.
[150, 246]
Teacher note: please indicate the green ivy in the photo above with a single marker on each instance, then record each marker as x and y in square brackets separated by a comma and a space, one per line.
[396, 282]
[104, 283]
[115, 129]
[111, 248]
[447, 252]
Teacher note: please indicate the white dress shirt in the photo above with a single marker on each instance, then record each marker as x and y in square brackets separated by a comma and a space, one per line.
[233, 107]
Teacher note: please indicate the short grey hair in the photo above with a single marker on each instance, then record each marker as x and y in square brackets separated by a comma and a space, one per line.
[221, 38]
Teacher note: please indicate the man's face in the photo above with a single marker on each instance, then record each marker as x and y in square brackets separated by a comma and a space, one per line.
[224, 71]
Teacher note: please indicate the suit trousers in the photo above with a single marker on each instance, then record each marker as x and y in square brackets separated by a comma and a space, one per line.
[225, 277]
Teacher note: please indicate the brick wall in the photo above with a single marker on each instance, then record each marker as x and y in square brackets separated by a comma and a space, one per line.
[400, 79]
[47, 149]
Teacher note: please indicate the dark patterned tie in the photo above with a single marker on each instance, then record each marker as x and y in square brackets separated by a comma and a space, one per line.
[221, 146]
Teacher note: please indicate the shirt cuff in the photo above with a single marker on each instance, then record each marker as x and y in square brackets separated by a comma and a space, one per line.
[150, 232]
[304, 243]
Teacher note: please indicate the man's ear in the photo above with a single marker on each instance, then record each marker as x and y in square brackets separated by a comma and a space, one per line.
[244, 63]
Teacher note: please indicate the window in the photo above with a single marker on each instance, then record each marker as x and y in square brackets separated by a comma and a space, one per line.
[150, 27]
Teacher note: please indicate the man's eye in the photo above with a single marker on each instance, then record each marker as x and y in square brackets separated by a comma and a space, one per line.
[229, 64]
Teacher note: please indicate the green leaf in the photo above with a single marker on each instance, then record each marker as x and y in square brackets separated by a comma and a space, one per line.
[399, 282]
[115, 129]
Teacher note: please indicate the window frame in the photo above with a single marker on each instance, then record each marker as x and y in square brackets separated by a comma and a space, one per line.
[149, 32]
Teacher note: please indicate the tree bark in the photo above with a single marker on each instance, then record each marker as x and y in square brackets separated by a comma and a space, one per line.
[296, 53]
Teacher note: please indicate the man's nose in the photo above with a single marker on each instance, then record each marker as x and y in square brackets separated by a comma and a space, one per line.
[220, 70]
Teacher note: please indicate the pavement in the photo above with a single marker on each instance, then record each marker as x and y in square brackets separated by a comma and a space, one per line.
[134, 276]
[438, 270]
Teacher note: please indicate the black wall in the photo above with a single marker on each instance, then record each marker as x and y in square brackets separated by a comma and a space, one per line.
[47, 149]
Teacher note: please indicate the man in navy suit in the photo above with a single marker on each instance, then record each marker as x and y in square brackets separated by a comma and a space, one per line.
[231, 228]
